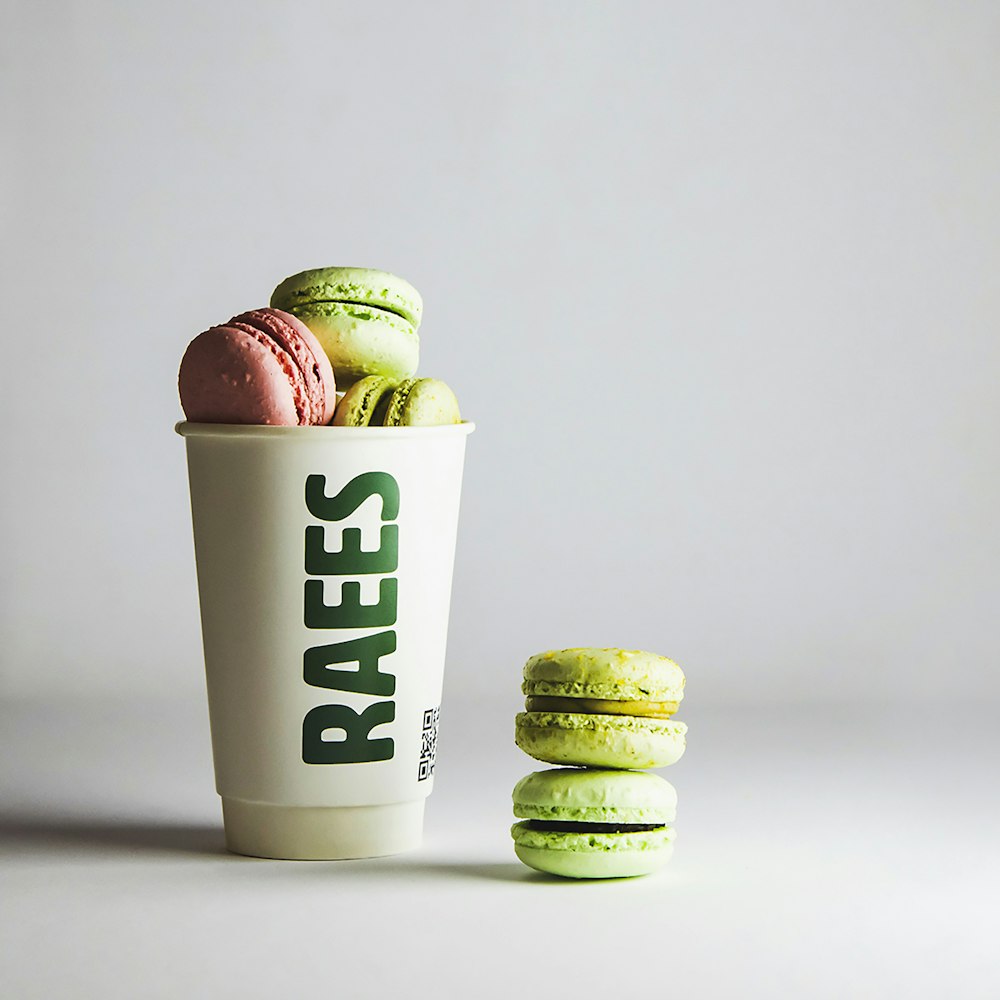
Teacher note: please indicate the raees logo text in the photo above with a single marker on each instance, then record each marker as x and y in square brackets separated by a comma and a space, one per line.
[352, 665]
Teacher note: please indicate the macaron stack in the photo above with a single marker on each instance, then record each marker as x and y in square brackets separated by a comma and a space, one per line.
[608, 714]
[327, 330]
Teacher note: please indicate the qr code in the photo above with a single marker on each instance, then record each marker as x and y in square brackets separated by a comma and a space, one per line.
[428, 743]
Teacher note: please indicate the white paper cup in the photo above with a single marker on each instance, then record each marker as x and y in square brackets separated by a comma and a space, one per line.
[324, 559]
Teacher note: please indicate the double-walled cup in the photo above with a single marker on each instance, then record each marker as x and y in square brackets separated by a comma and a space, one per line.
[324, 559]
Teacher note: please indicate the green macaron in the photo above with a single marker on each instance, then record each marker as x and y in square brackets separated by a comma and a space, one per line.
[422, 402]
[594, 823]
[607, 708]
[365, 319]
[360, 404]
[376, 401]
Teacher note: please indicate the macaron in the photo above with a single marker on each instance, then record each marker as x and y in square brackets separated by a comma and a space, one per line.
[358, 406]
[365, 319]
[379, 402]
[594, 823]
[422, 402]
[606, 708]
[262, 367]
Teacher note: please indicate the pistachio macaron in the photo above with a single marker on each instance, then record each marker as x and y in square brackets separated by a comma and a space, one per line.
[581, 823]
[608, 708]
[377, 401]
[422, 402]
[364, 403]
[365, 319]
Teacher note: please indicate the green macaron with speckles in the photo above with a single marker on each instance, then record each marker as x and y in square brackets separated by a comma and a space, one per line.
[608, 708]
[364, 402]
[583, 823]
[422, 402]
[365, 319]
[376, 401]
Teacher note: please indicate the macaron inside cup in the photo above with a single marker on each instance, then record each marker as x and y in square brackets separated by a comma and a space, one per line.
[605, 708]
[365, 319]
[582, 823]
[262, 367]
[376, 401]
[363, 400]
[422, 402]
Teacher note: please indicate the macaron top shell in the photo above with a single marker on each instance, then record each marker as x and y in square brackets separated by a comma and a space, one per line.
[595, 796]
[356, 285]
[616, 674]
[362, 340]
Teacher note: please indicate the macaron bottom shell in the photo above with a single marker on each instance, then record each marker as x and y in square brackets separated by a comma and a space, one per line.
[362, 340]
[604, 741]
[601, 855]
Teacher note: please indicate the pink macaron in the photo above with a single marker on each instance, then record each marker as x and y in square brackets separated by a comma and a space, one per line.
[262, 367]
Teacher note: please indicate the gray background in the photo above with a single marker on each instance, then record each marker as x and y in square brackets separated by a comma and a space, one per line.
[718, 284]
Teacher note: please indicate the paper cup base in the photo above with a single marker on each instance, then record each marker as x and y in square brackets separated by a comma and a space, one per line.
[315, 833]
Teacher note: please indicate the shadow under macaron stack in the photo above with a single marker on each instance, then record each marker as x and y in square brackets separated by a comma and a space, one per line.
[608, 714]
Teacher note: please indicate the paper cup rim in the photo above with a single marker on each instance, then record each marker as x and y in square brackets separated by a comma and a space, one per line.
[187, 428]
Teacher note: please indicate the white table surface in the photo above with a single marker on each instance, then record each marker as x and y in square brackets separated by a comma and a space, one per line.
[835, 852]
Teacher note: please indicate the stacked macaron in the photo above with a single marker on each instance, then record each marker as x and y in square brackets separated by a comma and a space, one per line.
[365, 319]
[330, 328]
[608, 713]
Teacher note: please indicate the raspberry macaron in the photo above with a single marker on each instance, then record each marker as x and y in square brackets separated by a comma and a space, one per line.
[262, 367]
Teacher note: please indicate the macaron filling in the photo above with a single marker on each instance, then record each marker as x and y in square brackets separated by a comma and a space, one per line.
[653, 815]
[360, 309]
[594, 721]
[568, 826]
[591, 840]
[601, 706]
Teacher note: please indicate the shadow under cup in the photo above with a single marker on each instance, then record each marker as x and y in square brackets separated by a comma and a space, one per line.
[324, 559]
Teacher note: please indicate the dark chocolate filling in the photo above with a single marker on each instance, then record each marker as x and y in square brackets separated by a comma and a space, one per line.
[558, 826]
